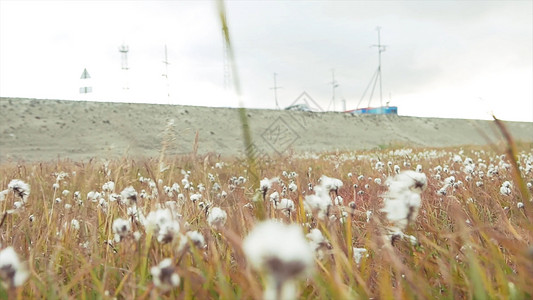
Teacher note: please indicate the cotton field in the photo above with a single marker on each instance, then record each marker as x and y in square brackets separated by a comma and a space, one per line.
[389, 224]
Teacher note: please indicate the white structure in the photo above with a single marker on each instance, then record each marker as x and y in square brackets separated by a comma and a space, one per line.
[85, 82]
[124, 63]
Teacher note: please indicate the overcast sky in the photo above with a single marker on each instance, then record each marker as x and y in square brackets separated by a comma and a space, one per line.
[443, 58]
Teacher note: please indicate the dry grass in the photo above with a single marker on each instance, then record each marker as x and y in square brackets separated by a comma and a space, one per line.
[472, 243]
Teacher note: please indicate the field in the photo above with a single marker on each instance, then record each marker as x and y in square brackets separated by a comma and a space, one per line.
[181, 226]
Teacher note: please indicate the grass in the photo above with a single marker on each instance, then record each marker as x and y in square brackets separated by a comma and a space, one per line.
[472, 243]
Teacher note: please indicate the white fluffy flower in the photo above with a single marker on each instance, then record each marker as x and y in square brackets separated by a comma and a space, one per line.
[505, 189]
[12, 272]
[402, 201]
[196, 197]
[317, 241]
[318, 203]
[195, 237]
[163, 224]
[128, 196]
[274, 197]
[217, 217]
[108, 187]
[93, 196]
[20, 188]
[75, 224]
[283, 253]
[3, 195]
[330, 184]
[358, 254]
[164, 275]
[265, 184]
[285, 205]
[293, 187]
[121, 229]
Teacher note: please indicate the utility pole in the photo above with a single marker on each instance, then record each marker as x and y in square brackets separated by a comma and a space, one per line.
[275, 88]
[381, 48]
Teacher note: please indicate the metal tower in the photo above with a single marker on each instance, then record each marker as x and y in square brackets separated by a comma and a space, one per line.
[276, 88]
[123, 49]
[227, 67]
[381, 48]
[334, 85]
[377, 74]
[166, 63]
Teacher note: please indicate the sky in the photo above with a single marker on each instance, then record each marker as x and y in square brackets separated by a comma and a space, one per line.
[449, 59]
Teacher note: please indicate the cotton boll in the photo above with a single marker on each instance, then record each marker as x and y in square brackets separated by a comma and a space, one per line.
[108, 187]
[196, 239]
[75, 224]
[164, 275]
[402, 201]
[282, 252]
[318, 242]
[330, 184]
[12, 272]
[128, 196]
[505, 189]
[217, 217]
[285, 205]
[121, 229]
[93, 196]
[358, 254]
[20, 188]
[319, 203]
[293, 187]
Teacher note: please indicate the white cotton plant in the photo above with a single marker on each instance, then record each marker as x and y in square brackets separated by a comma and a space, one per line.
[319, 203]
[163, 224]
[285, 205]
[293, 187]
[13, 272]
[108, 187]
[318, 242]
[402, 201]
[330, 184]
[358, 254]
[121, 229]
[3, 195]
[128, 196]
[164, 275]
[217, 217]
[20, 188]
[505, 189]
[282, 254]
[193, 237]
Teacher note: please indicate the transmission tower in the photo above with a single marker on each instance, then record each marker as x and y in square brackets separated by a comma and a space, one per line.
[166, 63]
[381, 48]
[377, 74]
[123, 49]
[276, 88]
[334, 85]
[227, 67]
